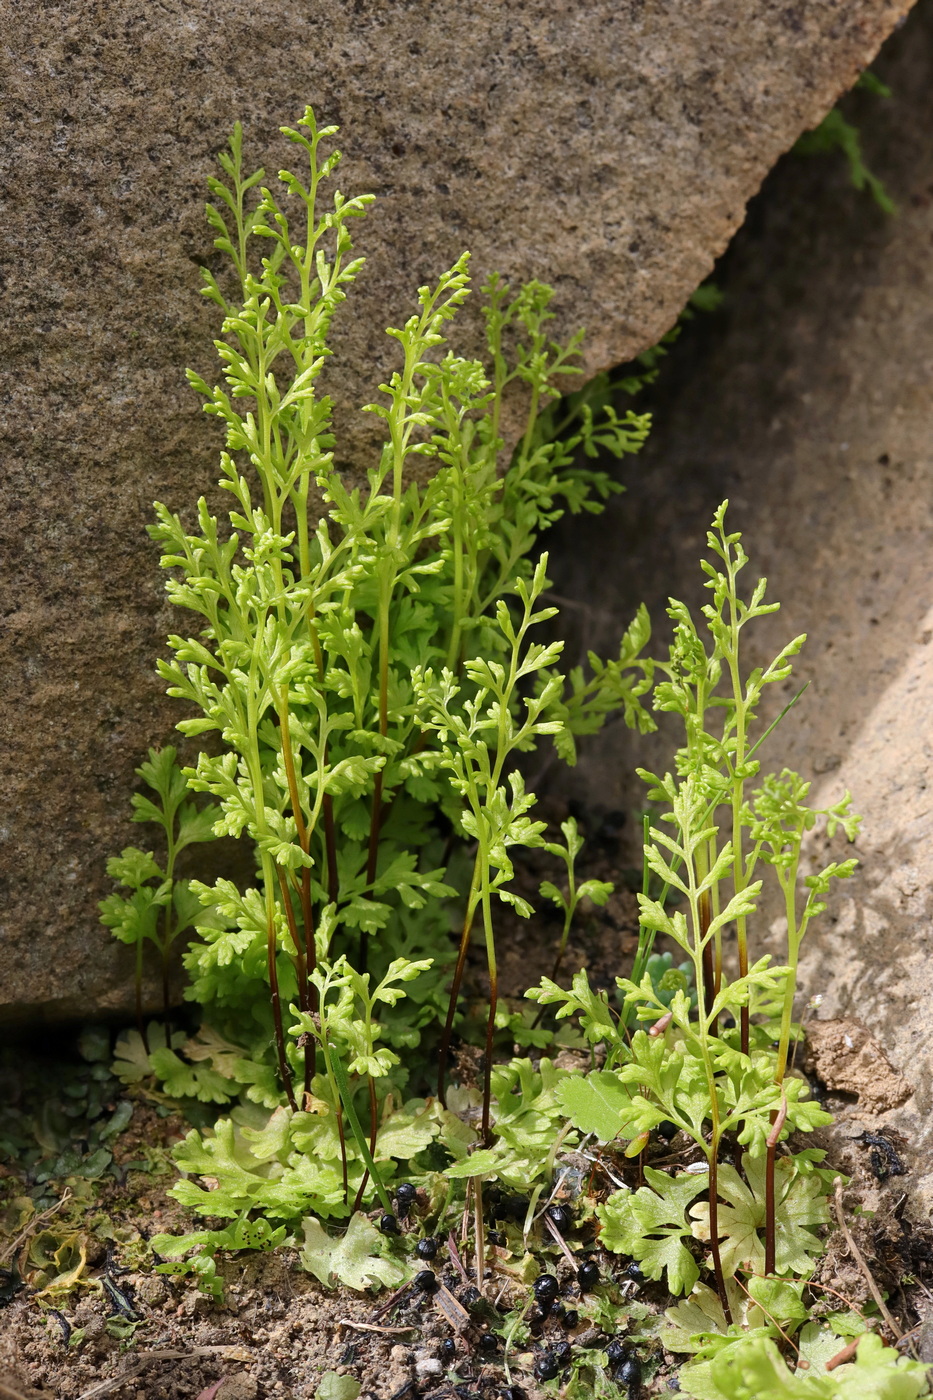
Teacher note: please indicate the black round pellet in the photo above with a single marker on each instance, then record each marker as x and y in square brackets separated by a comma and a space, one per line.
[406, 1193]
[561, 1217]
[470, 1297]
[617, 1351]
[545, 1289]
[512, 1208]
[488, 1343]
[634, 1271]
[546, 1367]
[570, 1319]
[448, 1349]
[629, 1374]
[425, 1281]
[667, 1130]
[496, 1237]
[511, 1392]
[588, 1276]
[388, 1224]
[562, 1354]
[426, 1248]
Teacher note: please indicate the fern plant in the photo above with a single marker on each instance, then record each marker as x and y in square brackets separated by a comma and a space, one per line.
[365, 655]
[718, 1086]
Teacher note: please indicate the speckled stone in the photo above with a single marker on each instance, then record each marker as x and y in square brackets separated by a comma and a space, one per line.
[607, 148]
[808, 401]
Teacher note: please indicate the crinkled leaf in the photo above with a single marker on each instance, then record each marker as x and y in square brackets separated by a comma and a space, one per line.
[354, 1258]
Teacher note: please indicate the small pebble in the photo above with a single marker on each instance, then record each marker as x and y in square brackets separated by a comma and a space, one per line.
[561, 1217]
[629, 1374]
[545, 1289]
[562, 1354]
[546, 1367]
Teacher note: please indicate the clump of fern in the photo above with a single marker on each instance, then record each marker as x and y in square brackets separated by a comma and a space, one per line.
[366, 661]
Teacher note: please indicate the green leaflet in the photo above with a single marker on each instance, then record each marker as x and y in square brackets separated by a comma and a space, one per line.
[753, 1369]
[356, 1259]
[335, 1387]
[599, 1104]
[802, 1208]
[651, 1226]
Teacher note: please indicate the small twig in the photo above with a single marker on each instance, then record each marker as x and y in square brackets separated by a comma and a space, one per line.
[33, 1224]
[479, 1229]
[598, 1161]
[451, 1307]
[561, 1242]
[455, 1258]
[392, 1301]
[857, 1256]
[371, 1327]
[770, 1316]
[847, 1354]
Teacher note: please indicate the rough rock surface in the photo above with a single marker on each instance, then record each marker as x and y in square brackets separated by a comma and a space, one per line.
[609, 149]
[847, 1059]
[807, 399]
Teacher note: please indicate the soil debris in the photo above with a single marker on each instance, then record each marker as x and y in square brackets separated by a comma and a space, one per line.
[846, 1057]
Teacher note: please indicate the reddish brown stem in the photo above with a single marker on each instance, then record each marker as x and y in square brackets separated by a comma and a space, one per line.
[373, 1131]
[372, 860]
[330, 847]
[744, 1013]
[714, 1238]
[299, 959]
[310, 964]
[307, 994]
[452, 1007]
[343, 1154]
[709, 972]
[769, 1208]
[277, 1014]
[778, 1118]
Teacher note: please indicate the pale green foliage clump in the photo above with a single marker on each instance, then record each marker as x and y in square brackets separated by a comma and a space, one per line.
[160, 907]
[365, 661]
[752, 1368]
[834, 133]
[358, 1259]
[314, 634]
[711, 1084]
